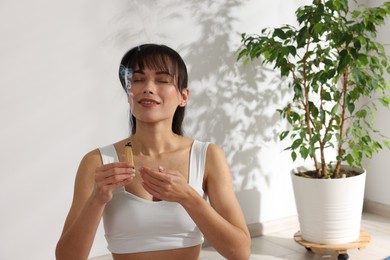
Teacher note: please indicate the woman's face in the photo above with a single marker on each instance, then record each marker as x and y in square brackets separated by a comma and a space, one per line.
[154, 95]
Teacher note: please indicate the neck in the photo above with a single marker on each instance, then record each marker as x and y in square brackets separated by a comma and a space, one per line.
[154, 139]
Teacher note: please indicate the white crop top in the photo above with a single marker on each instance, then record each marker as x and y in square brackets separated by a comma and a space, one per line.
[133, 224]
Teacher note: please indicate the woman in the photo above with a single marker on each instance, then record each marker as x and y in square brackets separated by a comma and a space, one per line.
[156, 208]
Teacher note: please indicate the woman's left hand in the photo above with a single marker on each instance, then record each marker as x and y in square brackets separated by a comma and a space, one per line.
[163, 184]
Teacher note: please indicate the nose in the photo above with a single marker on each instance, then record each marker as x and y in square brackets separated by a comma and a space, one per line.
[149, 87]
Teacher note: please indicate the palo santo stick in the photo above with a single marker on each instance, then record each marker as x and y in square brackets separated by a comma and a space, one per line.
[129, 153]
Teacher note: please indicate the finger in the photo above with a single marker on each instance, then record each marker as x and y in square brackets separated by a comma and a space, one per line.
[113, 175]
[117, 178]
[153, 184]
[106, 167]
[151, 188]
[122, 183]
[150, 174]
[114, 171]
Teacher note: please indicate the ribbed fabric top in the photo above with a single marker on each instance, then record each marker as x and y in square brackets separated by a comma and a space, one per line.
[133, 224]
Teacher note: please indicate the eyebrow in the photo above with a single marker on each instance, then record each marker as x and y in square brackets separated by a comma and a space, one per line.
[157, 72]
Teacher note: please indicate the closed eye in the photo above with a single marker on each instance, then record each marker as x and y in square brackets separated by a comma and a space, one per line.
[138, 78]
[164, 79]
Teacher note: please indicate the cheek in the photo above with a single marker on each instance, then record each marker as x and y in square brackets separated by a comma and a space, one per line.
[173, 92]
[130, 99]
[132, 92]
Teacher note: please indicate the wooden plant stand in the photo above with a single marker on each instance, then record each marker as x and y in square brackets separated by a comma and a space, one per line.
[341, 249]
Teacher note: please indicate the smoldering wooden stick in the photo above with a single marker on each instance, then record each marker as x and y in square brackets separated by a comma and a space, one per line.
[129, 153]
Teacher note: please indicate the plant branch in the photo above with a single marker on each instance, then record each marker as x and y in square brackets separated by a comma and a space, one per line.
[306, 105]
[342, 123]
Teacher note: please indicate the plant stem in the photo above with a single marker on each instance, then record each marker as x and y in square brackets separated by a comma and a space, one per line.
[343, 112]
[324, 169]
[307, 108]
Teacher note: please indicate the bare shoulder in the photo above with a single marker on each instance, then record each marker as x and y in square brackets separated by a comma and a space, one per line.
[93, 157]
[216, 164]
[215, 155]
[214, 150]
[86, 174]
[90, 161]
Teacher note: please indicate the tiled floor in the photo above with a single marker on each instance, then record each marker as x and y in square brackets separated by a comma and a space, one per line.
[281, 245]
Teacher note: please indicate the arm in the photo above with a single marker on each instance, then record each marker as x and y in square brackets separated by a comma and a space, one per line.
[93, 189]
[223, 224]
[222, 221]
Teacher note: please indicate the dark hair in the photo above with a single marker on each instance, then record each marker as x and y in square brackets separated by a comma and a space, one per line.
[158, 57]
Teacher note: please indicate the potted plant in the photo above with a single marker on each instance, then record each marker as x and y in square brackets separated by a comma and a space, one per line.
[335, 69]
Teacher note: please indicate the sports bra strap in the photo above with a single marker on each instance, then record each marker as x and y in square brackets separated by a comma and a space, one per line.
[197, 163]
[108, 154]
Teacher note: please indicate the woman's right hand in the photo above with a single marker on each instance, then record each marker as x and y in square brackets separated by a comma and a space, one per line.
[109, 177]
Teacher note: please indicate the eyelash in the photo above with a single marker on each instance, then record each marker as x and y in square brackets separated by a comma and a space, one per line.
[157, 81]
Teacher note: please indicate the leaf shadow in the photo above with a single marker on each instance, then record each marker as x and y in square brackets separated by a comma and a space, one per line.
[230, 104]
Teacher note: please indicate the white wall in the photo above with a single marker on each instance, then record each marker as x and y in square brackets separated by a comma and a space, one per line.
[60, 98]
[378, 171]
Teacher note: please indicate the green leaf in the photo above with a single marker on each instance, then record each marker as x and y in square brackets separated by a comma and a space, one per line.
[304, 152]
[361, 113]
[312, 150]
[334, 110]
[279, 33]
[385, 101]
[336, 95]
[368, 153]
[318, 28]
[315, 139]
[362, 59]
[322, 117]
[296, 143]
[326, 96]
[349, 159]
[301, 37]
[293, 155]
[298, 93]
[295, 116]
[328, 137]
[351, 107]
[283, 135]
[292, 50]
[313, 109]
[344, 61]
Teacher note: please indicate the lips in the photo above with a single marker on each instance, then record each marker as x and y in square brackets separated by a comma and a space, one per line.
[148, 102]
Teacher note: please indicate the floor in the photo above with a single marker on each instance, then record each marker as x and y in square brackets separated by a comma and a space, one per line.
[281, 245]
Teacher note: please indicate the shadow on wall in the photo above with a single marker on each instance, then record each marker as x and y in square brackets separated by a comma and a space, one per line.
[231, 104]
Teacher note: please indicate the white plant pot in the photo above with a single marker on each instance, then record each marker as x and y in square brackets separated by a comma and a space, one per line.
[329, 210]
